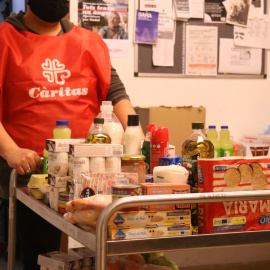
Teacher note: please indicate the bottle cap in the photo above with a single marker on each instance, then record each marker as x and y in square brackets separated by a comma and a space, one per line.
[224, 127]
[199, 125]
[149, 127]
[159, 134]
[62, 122]
[212, 127]
[106, 106]
[98, 120]
[133, 120]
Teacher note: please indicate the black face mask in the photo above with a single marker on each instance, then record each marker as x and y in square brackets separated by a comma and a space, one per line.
[49, 10]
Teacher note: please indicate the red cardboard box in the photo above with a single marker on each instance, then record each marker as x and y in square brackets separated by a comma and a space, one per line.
[234, 174]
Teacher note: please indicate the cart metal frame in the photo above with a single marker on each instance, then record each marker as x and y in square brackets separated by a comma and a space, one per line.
[98, 241]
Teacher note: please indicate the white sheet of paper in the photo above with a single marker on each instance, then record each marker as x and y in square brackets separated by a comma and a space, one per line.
[196, 8]
[256, 9]
[181, 9]
[163, 53]
[256, 35]
[201, 50]
[238, 60]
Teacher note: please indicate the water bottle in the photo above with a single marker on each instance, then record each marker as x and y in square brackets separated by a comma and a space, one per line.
[212, 135]
[226, 145]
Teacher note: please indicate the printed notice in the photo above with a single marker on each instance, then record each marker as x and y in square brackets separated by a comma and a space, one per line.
[146, 28]
[215, 11]
[238, 60]
[110, 20]
[201, 50]
[256, 35]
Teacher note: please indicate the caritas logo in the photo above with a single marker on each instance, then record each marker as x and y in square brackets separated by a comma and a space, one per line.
[53, 71]
[56, 73]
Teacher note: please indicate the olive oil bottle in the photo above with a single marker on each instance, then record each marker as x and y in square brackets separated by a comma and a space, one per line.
[96, 135]
[196, 146]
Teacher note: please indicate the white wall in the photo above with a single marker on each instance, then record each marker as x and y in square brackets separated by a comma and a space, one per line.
[241, 104]
[18, 5]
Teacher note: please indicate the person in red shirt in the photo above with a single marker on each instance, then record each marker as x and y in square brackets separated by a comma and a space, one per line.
[49, 69]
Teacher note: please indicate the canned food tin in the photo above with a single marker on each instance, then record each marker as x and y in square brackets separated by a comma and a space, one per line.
[126, 190]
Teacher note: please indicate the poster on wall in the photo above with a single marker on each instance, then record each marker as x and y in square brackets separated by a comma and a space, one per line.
[109, 18]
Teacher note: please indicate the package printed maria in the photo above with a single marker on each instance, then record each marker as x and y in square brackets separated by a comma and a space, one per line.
[234, 174]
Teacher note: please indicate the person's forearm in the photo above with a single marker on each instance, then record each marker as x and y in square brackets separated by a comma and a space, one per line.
[7, 145]
[122, 109]
[21, 159]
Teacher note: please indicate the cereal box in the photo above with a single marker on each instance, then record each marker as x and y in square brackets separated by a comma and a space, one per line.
[165, 188]
[234, 174]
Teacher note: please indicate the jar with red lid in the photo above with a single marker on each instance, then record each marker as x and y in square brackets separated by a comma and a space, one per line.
[134, 164]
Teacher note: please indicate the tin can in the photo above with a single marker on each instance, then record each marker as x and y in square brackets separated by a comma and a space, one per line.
[127, 190]
[63, 199]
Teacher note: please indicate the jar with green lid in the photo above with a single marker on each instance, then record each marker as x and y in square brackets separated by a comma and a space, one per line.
[134, 164]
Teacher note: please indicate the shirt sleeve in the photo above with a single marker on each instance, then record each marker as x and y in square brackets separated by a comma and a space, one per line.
[117, 91]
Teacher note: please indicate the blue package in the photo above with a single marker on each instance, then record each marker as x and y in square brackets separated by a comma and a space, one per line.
[170, 160]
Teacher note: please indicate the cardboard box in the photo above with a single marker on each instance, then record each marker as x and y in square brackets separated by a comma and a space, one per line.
[257, 139]
[87, 256]
[233, 174]
[135, 219]
[150, 232]
[254, 150]
[178, 120]
[58, 181]
[96, 150]
[60, 145]
[59, 261]
[165, 188]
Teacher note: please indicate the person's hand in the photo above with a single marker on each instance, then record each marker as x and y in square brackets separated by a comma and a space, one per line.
[24, 161]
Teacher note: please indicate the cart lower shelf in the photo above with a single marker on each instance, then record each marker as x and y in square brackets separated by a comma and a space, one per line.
[98, 241]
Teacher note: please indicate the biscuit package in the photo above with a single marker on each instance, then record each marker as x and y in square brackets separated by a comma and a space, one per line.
[154, 231]
[234, 174]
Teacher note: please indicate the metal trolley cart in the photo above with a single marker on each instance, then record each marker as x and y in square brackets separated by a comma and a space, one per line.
[98, 241]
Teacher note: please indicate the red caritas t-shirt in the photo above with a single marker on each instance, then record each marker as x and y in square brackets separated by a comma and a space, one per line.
[45, 78]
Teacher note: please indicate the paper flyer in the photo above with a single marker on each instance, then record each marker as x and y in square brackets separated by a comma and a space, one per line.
[238, 12]
[201, 50]
[215, 11]
[238, 60]
[146, 27]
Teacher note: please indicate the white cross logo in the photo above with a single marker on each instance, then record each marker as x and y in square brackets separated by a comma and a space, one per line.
[54, 71]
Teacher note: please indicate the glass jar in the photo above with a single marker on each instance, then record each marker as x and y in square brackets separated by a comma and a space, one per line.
[134, 164]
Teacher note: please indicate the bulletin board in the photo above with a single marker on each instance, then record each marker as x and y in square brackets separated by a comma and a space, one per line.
[143, 54]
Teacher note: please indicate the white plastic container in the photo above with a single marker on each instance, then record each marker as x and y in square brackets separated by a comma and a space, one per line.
[112, 125]
[133, 136]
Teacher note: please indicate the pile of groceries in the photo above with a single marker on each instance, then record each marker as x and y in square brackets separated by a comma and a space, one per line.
[84, 175]
[84, 259]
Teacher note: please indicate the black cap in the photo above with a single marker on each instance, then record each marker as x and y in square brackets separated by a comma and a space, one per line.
[98, 120]
[133, 120]
[198, 125]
